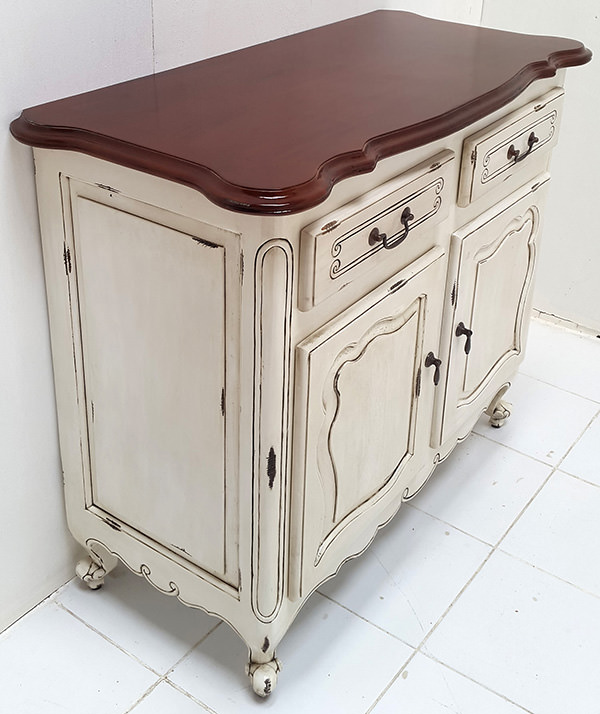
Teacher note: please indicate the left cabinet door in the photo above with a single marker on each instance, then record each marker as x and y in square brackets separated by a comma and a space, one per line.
[155, 321]
[363, 411]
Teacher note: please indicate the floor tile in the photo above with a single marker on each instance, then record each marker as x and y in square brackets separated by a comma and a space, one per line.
[154, 627]
[409, 575]
[563, 358]
[526, 635]
[560, 532]
[583, 460]
[427, 687]
[545, 420]
[332, 662]
[165, 699]
[479, 471]
[51, 662]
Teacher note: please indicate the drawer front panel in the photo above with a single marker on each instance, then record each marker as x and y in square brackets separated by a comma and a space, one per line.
[346, 243]
[511, 151]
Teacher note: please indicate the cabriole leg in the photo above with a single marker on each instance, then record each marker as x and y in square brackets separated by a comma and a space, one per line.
[263, 668]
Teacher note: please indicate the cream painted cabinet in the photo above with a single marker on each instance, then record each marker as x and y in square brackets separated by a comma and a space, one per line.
[282, 285]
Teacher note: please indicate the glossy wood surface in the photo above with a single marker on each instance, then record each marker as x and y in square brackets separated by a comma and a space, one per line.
[269, 129]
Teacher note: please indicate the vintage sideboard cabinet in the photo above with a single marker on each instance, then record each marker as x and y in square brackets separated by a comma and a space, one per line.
[283, 284]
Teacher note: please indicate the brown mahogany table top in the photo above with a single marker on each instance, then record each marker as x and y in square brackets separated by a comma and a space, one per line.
[269, 129]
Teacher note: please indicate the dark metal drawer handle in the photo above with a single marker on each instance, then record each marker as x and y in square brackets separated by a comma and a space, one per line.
[432, 361]
[516, 154]
[376, 237]
[462, 330]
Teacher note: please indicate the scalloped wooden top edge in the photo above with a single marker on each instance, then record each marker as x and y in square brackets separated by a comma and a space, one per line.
[292, 199]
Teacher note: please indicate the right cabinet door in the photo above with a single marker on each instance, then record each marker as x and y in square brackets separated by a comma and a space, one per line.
[492, 263]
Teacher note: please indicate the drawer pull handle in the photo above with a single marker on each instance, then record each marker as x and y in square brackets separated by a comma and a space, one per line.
[516, 154]
[432, 361]
[462, 330]
[376, 237]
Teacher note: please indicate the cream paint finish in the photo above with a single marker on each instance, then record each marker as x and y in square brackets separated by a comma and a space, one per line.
[567, 282]
[297, 502]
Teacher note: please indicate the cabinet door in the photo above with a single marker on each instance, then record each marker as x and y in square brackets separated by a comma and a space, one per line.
[155, 312]
[364, 403]
[486, 325]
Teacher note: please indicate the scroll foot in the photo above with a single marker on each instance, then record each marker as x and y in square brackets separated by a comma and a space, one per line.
[90, 572]
[95, 566]
[499, 414]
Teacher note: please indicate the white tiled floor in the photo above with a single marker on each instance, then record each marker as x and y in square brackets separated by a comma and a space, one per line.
[481, 597]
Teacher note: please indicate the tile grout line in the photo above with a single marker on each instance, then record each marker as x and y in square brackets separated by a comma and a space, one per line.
[107, 638]
[534, 458]
[435, 626]
[144, 695]
[562, 389]
[191, 649]
[494, 549]
[554, 470]
[547, 572]
[364, 619]
[484, 686]
[183, 691]
[391, 682]
[455, 528]
[579, 478]
[164, 677]
[513, 449]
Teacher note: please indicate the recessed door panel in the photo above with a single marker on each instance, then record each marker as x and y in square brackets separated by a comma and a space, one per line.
[155, 328]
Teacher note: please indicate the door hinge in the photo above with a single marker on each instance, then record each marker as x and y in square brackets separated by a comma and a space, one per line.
[474, 156]
[67, 259]
[241, 267]
[106, 187]
[418, 383]
[454, 294]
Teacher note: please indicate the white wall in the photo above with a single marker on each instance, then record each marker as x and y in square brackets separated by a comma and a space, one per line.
[190, 30]
[568, 277]
[47, 50]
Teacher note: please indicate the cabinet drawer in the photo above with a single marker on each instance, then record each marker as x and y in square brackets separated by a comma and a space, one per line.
[345, 244]
[511, 151]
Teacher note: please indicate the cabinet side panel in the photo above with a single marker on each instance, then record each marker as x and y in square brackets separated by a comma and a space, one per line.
[152, 311]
